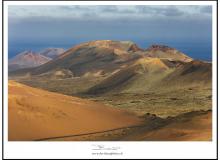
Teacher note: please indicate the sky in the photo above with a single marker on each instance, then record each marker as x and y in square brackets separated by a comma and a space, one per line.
[185, 27]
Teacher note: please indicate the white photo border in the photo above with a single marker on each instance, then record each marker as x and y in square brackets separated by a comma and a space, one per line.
[134, 149]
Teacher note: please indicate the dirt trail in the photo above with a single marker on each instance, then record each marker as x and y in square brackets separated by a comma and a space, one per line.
[39, 115]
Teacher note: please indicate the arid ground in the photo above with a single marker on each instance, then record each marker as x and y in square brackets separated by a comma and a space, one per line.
[112, 90]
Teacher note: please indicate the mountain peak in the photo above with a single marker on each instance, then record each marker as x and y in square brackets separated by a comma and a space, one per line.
[160, 47]
[117, 47]
[166, 52]
[120, 45]
[108, 42]
[52, 52]
[27, 59]
[26, 52]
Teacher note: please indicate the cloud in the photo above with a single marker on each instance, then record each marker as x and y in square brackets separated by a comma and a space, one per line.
[206, 9]
[168, 11]
[60, 29]
[108, 11]
[63, 24]
[172, 11]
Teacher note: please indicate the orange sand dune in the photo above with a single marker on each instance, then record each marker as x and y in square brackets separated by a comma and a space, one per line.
[36, 114]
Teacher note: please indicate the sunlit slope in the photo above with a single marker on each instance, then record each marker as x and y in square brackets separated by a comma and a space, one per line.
[95, 57]
[162, 51]
[36, 114]
[138, 77]
[101, 58]
[155, 74]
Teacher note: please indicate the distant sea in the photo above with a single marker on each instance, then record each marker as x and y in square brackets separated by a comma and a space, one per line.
[197, 50]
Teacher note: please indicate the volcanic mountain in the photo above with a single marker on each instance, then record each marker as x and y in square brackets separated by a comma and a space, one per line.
[143, 72]
[27, 59]
[93, 57]
[153, 73]
[166, 52]
[193, 72]
[117, 78]
[104, 57]
[52, 52]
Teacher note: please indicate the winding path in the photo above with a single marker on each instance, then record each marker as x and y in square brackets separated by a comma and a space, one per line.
[85, 134]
